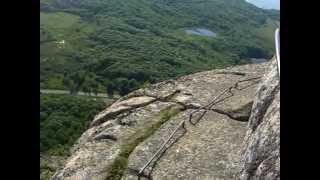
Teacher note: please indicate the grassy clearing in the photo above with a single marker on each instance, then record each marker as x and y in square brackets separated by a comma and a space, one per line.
[59, 26]
[63, 37]
[121, 162]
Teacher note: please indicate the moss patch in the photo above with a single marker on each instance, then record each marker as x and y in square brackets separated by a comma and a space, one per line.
[121, 162]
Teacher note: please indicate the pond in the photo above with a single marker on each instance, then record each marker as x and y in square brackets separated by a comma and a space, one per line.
[201, 32]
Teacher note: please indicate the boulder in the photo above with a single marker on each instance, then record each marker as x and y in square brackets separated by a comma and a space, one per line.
[123, 137]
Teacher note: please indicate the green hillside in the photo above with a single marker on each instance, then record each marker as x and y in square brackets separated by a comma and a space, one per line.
[119, 45]
[63, 119]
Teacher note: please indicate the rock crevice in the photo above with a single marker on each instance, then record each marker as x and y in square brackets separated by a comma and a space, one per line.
[126, 134]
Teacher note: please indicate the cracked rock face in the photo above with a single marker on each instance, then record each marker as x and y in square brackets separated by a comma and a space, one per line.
[123, 137]
[261, 148]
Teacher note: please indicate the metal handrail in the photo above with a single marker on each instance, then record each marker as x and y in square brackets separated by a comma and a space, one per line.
[277, 42]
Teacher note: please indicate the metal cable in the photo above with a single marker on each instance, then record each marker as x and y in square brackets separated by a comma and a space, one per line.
[181, 124]
[207, 107]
